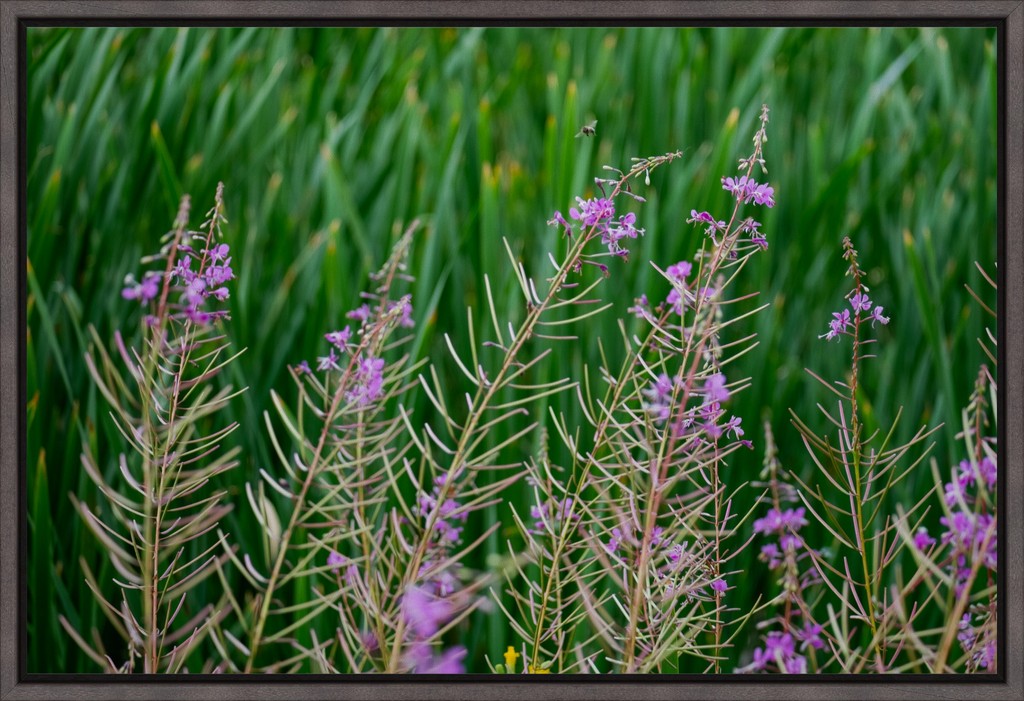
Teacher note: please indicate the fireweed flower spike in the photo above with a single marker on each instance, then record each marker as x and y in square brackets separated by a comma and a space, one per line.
[648, 478]
[345, 473]
[968, 544]
[788, 556]
[162, 500]
[850, 508]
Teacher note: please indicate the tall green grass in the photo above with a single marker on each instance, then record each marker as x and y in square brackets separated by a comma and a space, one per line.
[329, 140]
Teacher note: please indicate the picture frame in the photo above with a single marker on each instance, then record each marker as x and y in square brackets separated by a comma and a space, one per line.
[17, 15]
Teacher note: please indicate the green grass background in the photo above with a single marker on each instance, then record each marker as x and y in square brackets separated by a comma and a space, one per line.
[329, 140]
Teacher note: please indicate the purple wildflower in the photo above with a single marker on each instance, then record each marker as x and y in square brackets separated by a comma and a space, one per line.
[746, 189]
[613, 543]
[362, 313]
[987, 468]
[715, 389]
[197, 316]
[217, 275]
[713, 227]
[144, 291]
[776, 521]
[368, 382]
[860, 302]
[764, 194]
[680, 271]
[810, 636]
[779, 644]
[593, 211]
[448, 662]
[423, 613]
[624, 228]
[839, 324]
[195, 292]
[640, 306]
[790, 542]
[700, 217]
[218, 253]
[335, 561]
[339, 339]
[559, 220]
[876, 315]
[922, 540]
[732, 426]
[736, 186]
[541, 514]
[404, 307]
[676, 300]
[328, 362]
[954, 492]
[771, 554]
[656, 536]
[779, 651]
[982, 649]
[370, 641]
[796, 665]
[659, 398]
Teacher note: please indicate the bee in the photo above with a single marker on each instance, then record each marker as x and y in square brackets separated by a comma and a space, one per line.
[587, 129]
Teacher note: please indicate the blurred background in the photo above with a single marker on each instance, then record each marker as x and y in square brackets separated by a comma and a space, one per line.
[329, 141]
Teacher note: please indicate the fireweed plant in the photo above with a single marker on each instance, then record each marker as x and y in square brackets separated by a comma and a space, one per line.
[371, 514]
[849, 606]
[158, 516]
[627, 562]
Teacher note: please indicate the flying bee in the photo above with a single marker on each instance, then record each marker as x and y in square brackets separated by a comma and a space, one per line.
[587, 129]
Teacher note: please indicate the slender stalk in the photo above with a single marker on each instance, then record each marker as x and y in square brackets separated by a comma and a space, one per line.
[660, 464]
[718, 556]
[855, 452]
[149, 570]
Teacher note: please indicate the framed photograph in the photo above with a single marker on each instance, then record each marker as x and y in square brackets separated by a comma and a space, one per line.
[479, 350]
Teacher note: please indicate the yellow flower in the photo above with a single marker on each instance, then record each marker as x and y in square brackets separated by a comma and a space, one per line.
[510, 659]
[538, 670]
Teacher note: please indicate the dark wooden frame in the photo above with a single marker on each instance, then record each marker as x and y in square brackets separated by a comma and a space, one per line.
[16, 15]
